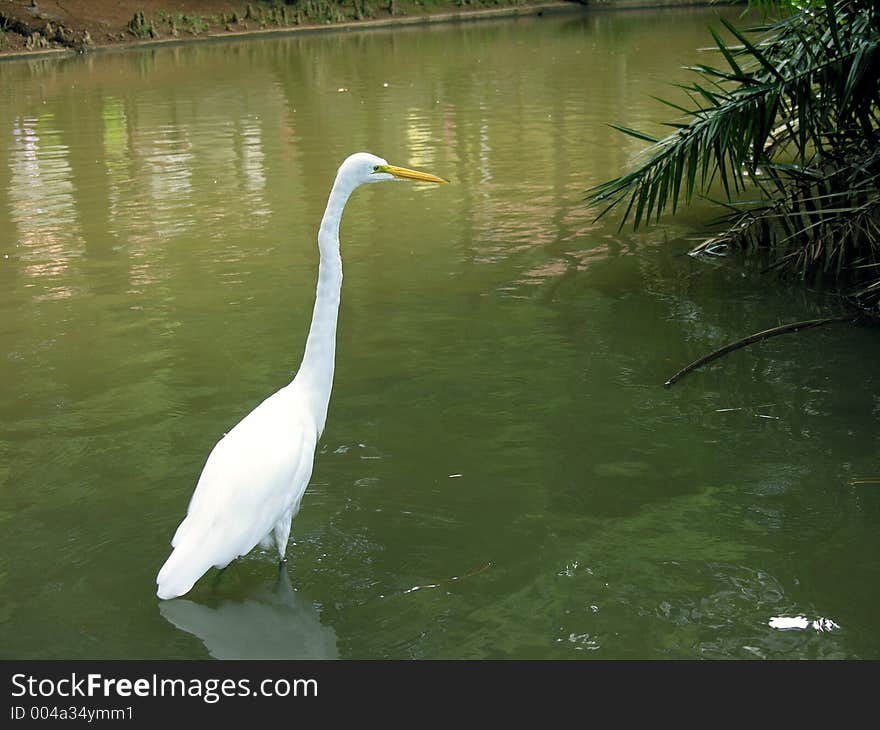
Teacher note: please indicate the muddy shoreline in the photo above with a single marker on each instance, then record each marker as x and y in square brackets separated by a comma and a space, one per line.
[59, 28]
[53, 29]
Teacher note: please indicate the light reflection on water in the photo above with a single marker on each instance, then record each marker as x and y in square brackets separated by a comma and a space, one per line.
[502, 474]
[44, 210]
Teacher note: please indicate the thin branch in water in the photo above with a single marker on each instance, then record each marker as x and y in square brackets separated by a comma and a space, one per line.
[757, 337]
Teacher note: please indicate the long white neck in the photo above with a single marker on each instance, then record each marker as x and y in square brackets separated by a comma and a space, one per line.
[315, 375]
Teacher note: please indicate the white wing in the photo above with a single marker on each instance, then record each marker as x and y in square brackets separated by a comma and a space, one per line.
[254, 476]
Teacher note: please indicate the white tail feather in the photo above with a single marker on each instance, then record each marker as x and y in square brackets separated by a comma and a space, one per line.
[180, 572]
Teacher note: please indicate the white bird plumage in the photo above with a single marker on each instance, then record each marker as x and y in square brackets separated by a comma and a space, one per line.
[254, 479]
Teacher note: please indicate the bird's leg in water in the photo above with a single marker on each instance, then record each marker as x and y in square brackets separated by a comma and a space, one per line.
[283, 583]
[282, 533]
[217, 577]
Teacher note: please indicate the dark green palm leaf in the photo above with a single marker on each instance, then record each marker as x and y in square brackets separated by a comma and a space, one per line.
[794, 128]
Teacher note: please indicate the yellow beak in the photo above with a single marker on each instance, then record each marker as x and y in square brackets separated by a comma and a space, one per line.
[405, 174]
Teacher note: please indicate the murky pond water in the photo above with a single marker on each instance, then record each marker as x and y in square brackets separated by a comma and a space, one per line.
[502, 473]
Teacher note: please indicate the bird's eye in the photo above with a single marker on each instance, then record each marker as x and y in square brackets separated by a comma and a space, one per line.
[376, 168]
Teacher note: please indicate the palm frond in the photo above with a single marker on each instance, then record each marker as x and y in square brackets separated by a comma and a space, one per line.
[793, 123]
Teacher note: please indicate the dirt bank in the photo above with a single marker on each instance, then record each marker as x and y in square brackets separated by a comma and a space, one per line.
[64, 26]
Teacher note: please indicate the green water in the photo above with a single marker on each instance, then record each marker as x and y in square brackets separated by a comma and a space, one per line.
[502, 473]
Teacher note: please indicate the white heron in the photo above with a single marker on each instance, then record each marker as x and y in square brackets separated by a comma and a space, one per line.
[254, 479]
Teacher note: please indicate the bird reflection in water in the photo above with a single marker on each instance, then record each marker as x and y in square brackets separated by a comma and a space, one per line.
[277, 623]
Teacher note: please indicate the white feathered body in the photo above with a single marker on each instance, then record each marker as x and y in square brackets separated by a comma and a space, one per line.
[252, 483]
[255, 477]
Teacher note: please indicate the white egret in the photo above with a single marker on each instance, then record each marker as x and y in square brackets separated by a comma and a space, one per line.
[253, 481]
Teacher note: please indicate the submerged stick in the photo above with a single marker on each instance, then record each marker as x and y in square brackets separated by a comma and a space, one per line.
[757, 337]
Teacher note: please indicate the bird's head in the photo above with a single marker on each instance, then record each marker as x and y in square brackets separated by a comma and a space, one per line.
[362, 167]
